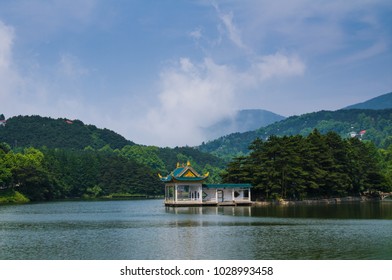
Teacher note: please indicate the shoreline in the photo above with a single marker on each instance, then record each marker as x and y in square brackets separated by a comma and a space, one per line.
[281, 202]
[335, 200]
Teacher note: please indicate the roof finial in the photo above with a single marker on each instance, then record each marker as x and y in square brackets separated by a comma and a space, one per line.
[188, 163]
[178, 164]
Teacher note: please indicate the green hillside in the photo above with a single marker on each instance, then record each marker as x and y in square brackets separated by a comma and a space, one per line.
[36, 131]
[315, 166]
[45, 159]
[376, 123]
[242, 121]
[380, 102]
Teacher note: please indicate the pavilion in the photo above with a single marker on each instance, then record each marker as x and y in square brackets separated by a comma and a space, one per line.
[184, 186]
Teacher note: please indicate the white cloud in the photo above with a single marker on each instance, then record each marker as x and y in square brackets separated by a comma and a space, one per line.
[194, 96]
[9, 78]
[6, 40]
[363, 54]
[29, 93]
[71, 67]
[312, 28]
[278, 65]
[191, 96]
[232, 31]
[196, 34]
[249, 48]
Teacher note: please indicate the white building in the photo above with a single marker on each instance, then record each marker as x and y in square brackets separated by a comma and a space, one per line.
[185, 187]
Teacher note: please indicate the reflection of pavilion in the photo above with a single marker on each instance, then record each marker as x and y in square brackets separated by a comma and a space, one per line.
[184, 187]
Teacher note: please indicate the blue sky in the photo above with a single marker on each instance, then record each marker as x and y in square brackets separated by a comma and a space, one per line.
[158, 71]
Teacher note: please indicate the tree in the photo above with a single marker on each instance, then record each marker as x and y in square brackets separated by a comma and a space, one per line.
[340, 181]
[236, 171]
[295, 167]
[29, 175]
[5, 167]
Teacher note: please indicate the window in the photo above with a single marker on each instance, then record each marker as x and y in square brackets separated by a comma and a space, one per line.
[246, 193]
[183, 192]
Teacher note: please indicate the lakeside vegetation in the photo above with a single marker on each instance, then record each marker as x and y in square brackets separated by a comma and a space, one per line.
[45, 159]
[10, 196]
[288, 167]
[297, 167]
[47, 174]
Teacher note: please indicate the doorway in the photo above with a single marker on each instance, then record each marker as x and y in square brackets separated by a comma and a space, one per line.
[220, 196]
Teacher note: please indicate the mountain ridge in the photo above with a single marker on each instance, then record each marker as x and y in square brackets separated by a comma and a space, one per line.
[44, 132]
[242, 121]
[377, 103]
[40, 131]
[377, 125]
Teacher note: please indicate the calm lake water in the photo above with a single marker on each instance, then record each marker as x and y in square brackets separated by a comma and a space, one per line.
[145, 229]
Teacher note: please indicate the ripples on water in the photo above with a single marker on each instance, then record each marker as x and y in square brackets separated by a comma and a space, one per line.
[145, 229]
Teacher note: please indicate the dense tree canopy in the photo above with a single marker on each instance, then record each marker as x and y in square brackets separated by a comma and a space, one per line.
[58, 173]
[36, 131]
[297, 167]
[376, 123]
[46, 174]
[48, 159]
[71, 159]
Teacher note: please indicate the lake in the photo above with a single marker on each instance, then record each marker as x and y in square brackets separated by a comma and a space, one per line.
[147, 230]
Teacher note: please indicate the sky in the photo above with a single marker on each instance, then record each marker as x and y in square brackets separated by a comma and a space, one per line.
[157, 72]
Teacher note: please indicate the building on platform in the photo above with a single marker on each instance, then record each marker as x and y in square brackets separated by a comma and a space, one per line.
[184, 186]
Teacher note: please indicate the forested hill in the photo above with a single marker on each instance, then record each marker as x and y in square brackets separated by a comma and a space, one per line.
[377, 125]
[36, 131]
[380, 102]
[242, 121]
[45, 159]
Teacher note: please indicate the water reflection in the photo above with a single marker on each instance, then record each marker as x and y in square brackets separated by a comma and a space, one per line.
[233, 211]
[148, 230]
[354, 210]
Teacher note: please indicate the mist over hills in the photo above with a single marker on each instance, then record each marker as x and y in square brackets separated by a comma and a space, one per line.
[37, 131]
[346, 122]
[253, 119]
[242, 121]
[72, 159]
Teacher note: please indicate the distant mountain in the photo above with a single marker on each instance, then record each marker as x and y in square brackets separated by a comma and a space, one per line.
[381, 102]
[242, 121]
[376, 124]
